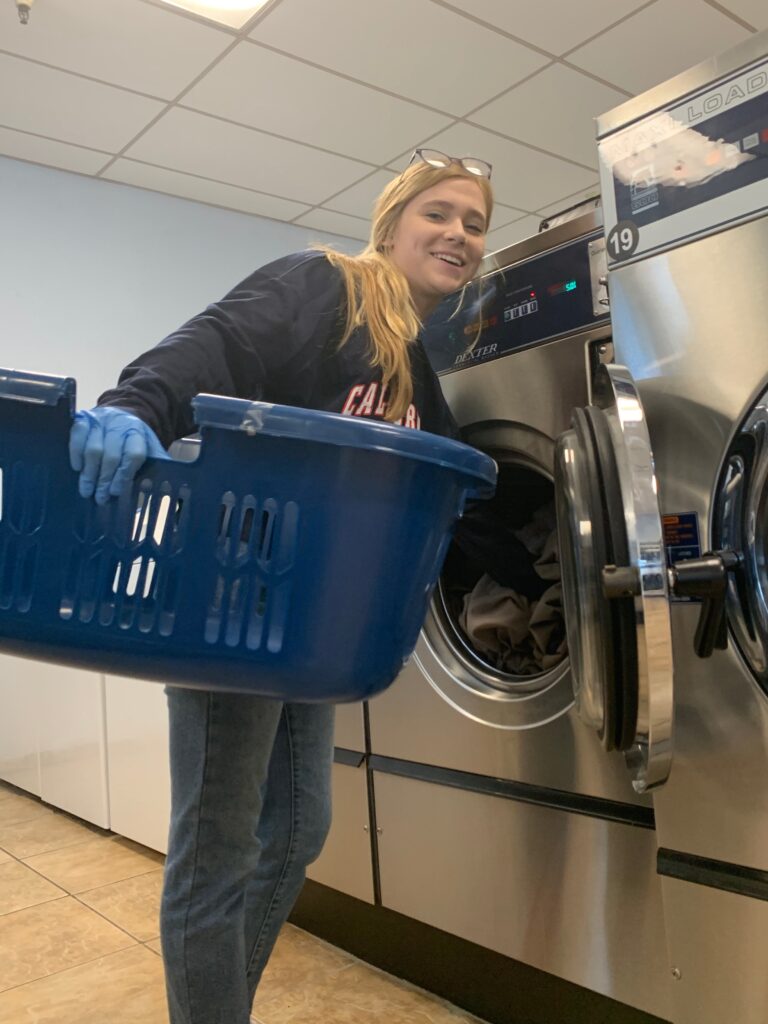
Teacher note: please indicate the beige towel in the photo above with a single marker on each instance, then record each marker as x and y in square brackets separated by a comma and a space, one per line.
[516, 635]
[547, 626]
[496, 619]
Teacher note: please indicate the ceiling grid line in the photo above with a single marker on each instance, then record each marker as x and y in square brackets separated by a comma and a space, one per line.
[50, 138]
[238, 36]
[215, 181]
[79, 74]
[730, 14]
[608, 28]
[170, 105]
[128, 122]
[350, 78]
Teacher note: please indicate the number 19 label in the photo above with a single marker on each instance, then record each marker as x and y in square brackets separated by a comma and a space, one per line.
[622, 240]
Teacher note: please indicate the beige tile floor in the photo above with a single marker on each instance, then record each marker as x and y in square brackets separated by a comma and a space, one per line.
[79, 939]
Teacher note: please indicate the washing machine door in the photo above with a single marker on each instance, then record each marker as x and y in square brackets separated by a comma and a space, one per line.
[741, 525]
[615, 581]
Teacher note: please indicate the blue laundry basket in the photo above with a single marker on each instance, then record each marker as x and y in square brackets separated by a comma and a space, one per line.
[294, 558]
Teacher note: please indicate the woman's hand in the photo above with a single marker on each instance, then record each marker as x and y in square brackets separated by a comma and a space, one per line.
[107, 447]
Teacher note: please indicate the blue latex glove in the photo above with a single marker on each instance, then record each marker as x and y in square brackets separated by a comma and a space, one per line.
[107, 447]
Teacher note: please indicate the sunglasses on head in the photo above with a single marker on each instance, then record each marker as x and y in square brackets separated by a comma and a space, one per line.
[435, 158]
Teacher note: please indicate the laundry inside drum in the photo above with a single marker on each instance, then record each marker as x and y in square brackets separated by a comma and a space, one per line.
[500, 593]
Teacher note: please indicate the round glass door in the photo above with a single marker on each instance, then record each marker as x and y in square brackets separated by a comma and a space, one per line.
[493, 644]
[615, 577]
[741, 525]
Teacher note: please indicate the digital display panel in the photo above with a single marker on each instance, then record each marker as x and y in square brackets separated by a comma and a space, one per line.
[515, 308]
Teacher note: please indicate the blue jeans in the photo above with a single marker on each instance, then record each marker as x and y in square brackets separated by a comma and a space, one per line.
[250, 809]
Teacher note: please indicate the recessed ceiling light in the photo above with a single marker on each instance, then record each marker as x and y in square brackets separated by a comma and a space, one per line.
[234, 13]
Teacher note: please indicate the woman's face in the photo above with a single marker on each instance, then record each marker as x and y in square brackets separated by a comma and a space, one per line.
[439, 240]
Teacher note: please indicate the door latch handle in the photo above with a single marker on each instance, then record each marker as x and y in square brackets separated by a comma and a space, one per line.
[707, 578]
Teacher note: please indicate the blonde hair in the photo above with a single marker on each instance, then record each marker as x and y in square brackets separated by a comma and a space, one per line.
[377, 292]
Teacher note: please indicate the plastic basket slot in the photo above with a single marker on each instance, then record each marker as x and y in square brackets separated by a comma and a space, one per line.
[255, 632]
[246, 531]
[178, 521]
[18, 567]
[140, 590]
[151, 521]
[161, 523]
[267, 536]
[282, 553]
[141, 514]
[89, 526]
[136, 596]
[148, 596]
[224, 540]
[69, 590]
[25, 582]
[278, 616]
[8, 572]
[214, 617]
[88, 586]
[122, 592]
[107, 602]
[253, 545]
[227, 610]
[234, 546]
[166, 611]
[26, 500]
[134, 592]
[237, 595]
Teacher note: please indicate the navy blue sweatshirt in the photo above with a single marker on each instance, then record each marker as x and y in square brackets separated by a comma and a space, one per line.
[273, 338]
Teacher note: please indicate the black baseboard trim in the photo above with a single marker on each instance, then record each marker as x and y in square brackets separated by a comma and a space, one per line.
[715, 874]
[523, 792]
[491, 986]
[352, 758]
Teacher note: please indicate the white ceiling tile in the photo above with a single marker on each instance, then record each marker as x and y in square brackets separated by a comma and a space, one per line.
[659, 42]
[753, 11]
[551, 24]
[71, 109]
[522, 177]
[555, 110]
[130, 172]
[185, 141]
[359, 199]
[511, 233]
[123, 42]
[412, 47]
[317, 107]
[504, 214]
[52, 154]
[336, 223]
[567, 201]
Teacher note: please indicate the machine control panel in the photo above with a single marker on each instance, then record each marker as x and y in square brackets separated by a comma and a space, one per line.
[695, 167]
[516, 307]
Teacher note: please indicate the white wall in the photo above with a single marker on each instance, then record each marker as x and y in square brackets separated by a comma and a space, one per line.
[93, 272]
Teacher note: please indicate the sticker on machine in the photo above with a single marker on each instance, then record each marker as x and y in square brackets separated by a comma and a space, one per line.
[681, 539]
[689, 170]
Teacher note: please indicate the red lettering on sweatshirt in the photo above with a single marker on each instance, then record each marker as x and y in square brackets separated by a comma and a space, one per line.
[372, 401]
[349, 406]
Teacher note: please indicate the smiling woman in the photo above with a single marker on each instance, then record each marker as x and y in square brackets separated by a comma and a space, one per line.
[427, 240]
[439, 241]
[250, 776]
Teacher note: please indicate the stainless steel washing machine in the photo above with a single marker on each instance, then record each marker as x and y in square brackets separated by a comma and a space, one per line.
[680, 427]
[502, 817]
